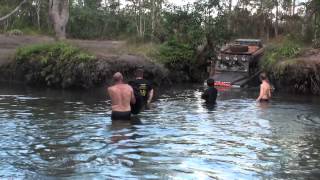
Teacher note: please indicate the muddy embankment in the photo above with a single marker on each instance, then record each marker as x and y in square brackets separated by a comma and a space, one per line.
[300, 74]
[93, 73]
[75, 63]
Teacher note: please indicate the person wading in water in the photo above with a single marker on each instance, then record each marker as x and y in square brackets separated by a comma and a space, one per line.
[121, 95]
[143, 91]
[210, 94]
[265, 89]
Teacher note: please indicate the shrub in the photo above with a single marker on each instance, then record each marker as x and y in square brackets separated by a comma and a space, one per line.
[147, 50]
[57, 65]
[52, 52]
[275, 53]
[292, 68]
[173, 53]
[316, 43]
[15, 32]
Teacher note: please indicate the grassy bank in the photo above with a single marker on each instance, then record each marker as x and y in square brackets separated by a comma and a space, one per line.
[62, 65]
[179, 58]
[52, 52]
[55, 65]
[293, 67]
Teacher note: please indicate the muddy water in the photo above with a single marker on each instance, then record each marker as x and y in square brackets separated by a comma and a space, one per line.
[47, 134]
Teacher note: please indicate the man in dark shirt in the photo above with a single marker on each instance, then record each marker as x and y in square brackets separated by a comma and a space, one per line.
[143, 91]
[210, 94]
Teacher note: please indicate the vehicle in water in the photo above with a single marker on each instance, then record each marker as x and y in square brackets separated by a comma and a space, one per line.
[237, 64]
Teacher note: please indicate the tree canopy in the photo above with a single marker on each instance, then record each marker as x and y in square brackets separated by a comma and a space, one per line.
[160, 21]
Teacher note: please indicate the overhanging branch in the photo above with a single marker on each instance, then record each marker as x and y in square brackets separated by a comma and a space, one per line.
[12, 12]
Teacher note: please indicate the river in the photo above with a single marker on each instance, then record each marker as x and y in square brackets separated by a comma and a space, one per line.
[50, 134]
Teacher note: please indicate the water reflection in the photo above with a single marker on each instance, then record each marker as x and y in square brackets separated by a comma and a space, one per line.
[263, 105]
[210, 107]
[124, 130]
[52, 134]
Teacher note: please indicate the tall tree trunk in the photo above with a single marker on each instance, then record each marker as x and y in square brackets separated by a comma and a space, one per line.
[293, 7]
[230, 17]
[306, 20]
[290, 7]
[267, 30]
[59, 15]
[153, 23]
[276, 25]
[6, 24]
[315, 26]
[136, 14]
[38, 14]
[140, 19]
[263, 26]
[144, 27]
[140, 25]
[263, 20]
[119, 6]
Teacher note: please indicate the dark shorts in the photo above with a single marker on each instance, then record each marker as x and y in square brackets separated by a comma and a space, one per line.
[117, 115]
[264, 100]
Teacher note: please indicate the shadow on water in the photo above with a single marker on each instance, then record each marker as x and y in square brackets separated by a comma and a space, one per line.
[210, 107]
[69, 134]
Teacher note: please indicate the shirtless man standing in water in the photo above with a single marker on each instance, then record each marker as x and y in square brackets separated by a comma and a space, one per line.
[265, 89]
[121, 96]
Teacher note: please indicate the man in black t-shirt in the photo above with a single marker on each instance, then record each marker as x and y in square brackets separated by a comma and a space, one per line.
[210, 94]
[143, 91]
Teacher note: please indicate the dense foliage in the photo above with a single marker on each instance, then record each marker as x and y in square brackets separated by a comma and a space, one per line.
[58, 52]
[293, 68]
[56, 65]
[277, 52]
[175, 54]
[204, 23]
[186, 36]
[158, 20]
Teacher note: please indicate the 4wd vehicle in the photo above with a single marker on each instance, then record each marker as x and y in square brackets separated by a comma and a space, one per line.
[237, 62]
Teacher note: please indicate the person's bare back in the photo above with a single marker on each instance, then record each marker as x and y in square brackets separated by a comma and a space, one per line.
[121, 95]
[265, 89]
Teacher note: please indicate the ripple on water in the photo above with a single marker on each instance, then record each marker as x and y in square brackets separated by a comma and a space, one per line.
[180, 138]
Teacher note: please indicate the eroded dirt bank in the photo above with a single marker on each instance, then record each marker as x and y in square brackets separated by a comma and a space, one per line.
[300, 74]
[109, 58]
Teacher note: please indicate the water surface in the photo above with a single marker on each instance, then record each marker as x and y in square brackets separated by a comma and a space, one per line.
[49, 134]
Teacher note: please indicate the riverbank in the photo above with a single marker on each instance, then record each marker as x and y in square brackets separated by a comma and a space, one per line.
[293, 67]
[62, 65]
[40, 61]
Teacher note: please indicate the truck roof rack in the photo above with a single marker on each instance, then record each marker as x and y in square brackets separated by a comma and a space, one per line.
[249, 40]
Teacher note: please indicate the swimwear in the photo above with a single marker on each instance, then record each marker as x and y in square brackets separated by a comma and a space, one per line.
[117, 115]
[264, 100]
